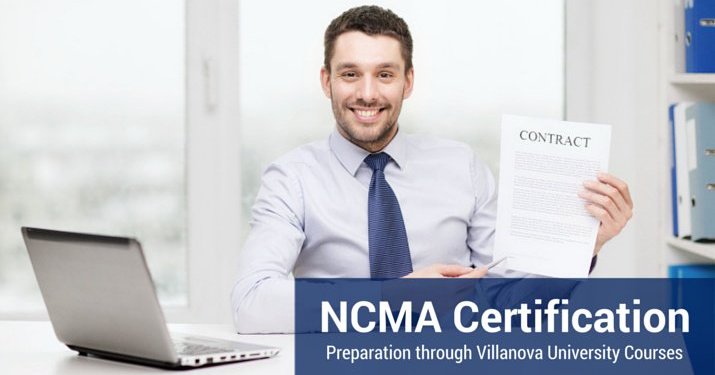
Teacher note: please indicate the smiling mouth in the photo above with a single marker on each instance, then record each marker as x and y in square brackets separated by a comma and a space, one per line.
[367, 115]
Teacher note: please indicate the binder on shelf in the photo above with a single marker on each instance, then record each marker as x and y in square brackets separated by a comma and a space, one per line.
[691, 271]
[697, 297]
[700, 36]
[673, 184]
[682, 179]
[701, 169]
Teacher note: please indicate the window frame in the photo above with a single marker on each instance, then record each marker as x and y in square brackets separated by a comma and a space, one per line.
[213, 175]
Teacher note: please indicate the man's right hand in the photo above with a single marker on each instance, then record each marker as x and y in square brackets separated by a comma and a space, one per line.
[447, 270]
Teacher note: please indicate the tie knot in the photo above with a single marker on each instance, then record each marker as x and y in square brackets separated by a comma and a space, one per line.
[377, 161]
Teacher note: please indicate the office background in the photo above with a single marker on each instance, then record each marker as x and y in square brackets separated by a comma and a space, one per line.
[154, 118]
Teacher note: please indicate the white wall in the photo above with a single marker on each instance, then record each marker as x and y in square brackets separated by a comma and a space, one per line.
[613, 78]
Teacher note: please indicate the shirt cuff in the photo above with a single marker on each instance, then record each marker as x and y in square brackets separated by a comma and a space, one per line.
[594, 260]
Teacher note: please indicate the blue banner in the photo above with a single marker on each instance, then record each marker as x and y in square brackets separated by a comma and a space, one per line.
[505, 326]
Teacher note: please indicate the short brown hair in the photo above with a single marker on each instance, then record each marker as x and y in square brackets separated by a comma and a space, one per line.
[371, 20]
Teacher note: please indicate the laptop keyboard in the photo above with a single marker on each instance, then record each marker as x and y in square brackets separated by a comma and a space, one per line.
[186, 348]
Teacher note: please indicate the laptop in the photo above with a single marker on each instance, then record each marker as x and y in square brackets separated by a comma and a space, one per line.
[101, 301]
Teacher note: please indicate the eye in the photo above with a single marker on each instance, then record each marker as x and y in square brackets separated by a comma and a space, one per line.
[385, 75]
[349, 75]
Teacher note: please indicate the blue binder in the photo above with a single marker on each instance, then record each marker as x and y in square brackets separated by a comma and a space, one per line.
[687, 271]
[673, 184]
[698, 297]
[700, 36]
[701, 166]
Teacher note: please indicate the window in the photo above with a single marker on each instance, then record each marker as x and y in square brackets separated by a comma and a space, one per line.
[92, 133]
[155, 118]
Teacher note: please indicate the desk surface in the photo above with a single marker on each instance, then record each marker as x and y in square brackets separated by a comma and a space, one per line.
[32, 348]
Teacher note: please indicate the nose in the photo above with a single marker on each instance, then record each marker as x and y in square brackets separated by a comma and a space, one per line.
[367, 89]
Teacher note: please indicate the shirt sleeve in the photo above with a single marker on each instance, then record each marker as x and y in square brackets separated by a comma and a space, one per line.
[269, 255]
[480, 233]
[482, 224]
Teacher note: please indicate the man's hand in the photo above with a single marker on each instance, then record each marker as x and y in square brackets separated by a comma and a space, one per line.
[610, 202]
[444, 296]
[447, 270]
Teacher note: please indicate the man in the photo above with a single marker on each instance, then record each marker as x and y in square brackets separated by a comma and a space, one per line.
[372, 201]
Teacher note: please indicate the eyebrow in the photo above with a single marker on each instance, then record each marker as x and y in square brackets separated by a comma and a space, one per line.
[345, 66]
[349, 65]
[388, 66]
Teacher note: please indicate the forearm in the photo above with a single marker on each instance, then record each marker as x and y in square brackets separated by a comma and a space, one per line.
[263, 296]
[264, 304]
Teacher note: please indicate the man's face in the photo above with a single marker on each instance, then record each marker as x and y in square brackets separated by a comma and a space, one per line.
[366, 86]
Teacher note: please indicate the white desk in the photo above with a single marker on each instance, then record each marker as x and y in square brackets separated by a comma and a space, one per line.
[32, 348]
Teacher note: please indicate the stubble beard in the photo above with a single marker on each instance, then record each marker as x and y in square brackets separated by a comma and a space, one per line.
[372, 139]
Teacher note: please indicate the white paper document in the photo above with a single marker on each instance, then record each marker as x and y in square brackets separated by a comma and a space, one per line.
[542, 226]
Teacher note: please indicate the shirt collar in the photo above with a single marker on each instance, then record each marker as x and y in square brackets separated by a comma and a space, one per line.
[397, 149]
[351, 156]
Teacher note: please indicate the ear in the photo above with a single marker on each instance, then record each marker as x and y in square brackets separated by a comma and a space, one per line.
[325, 82]
[409, 82]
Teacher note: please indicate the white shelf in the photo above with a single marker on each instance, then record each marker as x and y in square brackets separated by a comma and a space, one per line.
[702, 249]
[677, 86]
[692, 79]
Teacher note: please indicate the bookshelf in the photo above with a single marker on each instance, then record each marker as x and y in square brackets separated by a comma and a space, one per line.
[684, 79]
[677, 86]
[706, 251]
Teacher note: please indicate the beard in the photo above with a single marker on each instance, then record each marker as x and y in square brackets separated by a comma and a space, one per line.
[367, 136]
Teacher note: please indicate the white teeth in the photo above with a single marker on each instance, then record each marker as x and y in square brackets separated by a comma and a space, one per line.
[367, 113]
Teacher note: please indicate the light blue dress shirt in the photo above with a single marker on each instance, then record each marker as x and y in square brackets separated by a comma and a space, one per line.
[310, 218]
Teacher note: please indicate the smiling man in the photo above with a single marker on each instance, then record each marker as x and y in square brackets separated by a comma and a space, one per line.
[371, 201]
[366, 80]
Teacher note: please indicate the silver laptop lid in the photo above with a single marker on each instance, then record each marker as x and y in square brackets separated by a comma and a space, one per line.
[99, 293]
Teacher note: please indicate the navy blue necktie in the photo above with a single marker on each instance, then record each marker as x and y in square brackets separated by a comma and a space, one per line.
[389, 251]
